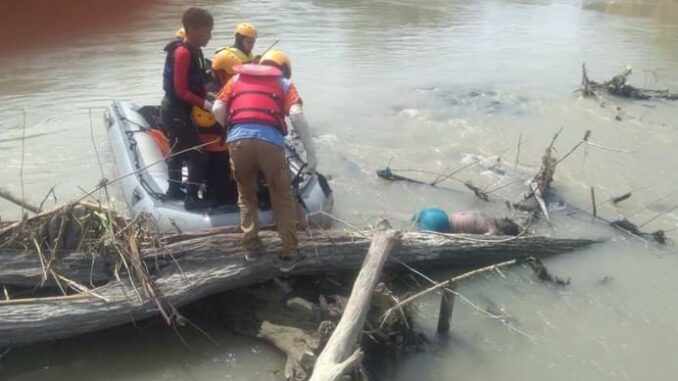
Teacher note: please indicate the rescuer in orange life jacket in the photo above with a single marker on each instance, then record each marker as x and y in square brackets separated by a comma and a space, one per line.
[254, 104]
[184, 79]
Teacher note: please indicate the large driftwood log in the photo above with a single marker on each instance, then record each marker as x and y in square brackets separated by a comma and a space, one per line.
[339, 355]
[188, 270]
[338, 249]
[26, 269]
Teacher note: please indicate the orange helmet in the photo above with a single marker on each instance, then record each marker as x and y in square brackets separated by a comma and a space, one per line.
[225, 60]
[247, 30]
[280, 59]
[181, 33]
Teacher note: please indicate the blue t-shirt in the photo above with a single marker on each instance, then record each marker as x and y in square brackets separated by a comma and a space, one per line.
[270, 134]
[258, 131]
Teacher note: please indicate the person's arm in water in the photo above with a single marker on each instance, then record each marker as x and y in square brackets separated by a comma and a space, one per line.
[182, 63]
[295, 111]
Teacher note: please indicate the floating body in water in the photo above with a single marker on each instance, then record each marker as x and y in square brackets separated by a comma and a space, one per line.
[466, 222]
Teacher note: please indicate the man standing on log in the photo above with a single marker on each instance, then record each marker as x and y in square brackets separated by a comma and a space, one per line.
[470, 222]
[254, 105]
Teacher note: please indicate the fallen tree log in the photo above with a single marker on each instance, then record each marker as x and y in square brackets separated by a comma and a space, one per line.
[339, 356]
[26, 269]
[337, 250]
[188, 270]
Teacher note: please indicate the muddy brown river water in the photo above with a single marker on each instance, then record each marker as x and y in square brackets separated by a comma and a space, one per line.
[425, 85]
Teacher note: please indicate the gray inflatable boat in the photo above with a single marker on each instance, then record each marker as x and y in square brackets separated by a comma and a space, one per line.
[140, 160]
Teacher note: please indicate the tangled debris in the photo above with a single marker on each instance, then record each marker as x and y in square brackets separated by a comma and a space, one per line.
[299, 316]
[91, 230]
[658, 236]
[619, 87]
[102, 270]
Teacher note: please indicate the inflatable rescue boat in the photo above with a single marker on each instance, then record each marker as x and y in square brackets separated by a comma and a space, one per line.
[142, 165]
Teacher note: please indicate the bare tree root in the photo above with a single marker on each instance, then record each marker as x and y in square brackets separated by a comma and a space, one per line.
[300, 323]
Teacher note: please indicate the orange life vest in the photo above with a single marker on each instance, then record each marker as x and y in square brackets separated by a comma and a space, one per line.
[161, 141]
[257, 97]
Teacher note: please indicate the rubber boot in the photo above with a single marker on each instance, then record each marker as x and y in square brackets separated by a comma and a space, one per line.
[192, 201]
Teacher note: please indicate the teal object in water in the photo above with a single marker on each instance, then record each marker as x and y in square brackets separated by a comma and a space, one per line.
[432, 219]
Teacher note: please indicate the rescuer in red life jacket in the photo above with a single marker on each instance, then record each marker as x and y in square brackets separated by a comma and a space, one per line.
[184, 79]
[254, 105]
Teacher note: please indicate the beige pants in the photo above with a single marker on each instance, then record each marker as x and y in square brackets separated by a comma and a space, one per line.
[248, 158]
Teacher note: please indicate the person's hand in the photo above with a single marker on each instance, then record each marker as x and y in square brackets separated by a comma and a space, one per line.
[311, 162]
[211, 96]
[207, 105]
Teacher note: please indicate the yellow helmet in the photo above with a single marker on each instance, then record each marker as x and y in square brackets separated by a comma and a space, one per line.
[225, 60]
[246, 29]
[280, 59]
[181, 33]
[202, 118]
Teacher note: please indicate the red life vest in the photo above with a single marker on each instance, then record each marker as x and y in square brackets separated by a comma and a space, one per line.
[257, 96]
